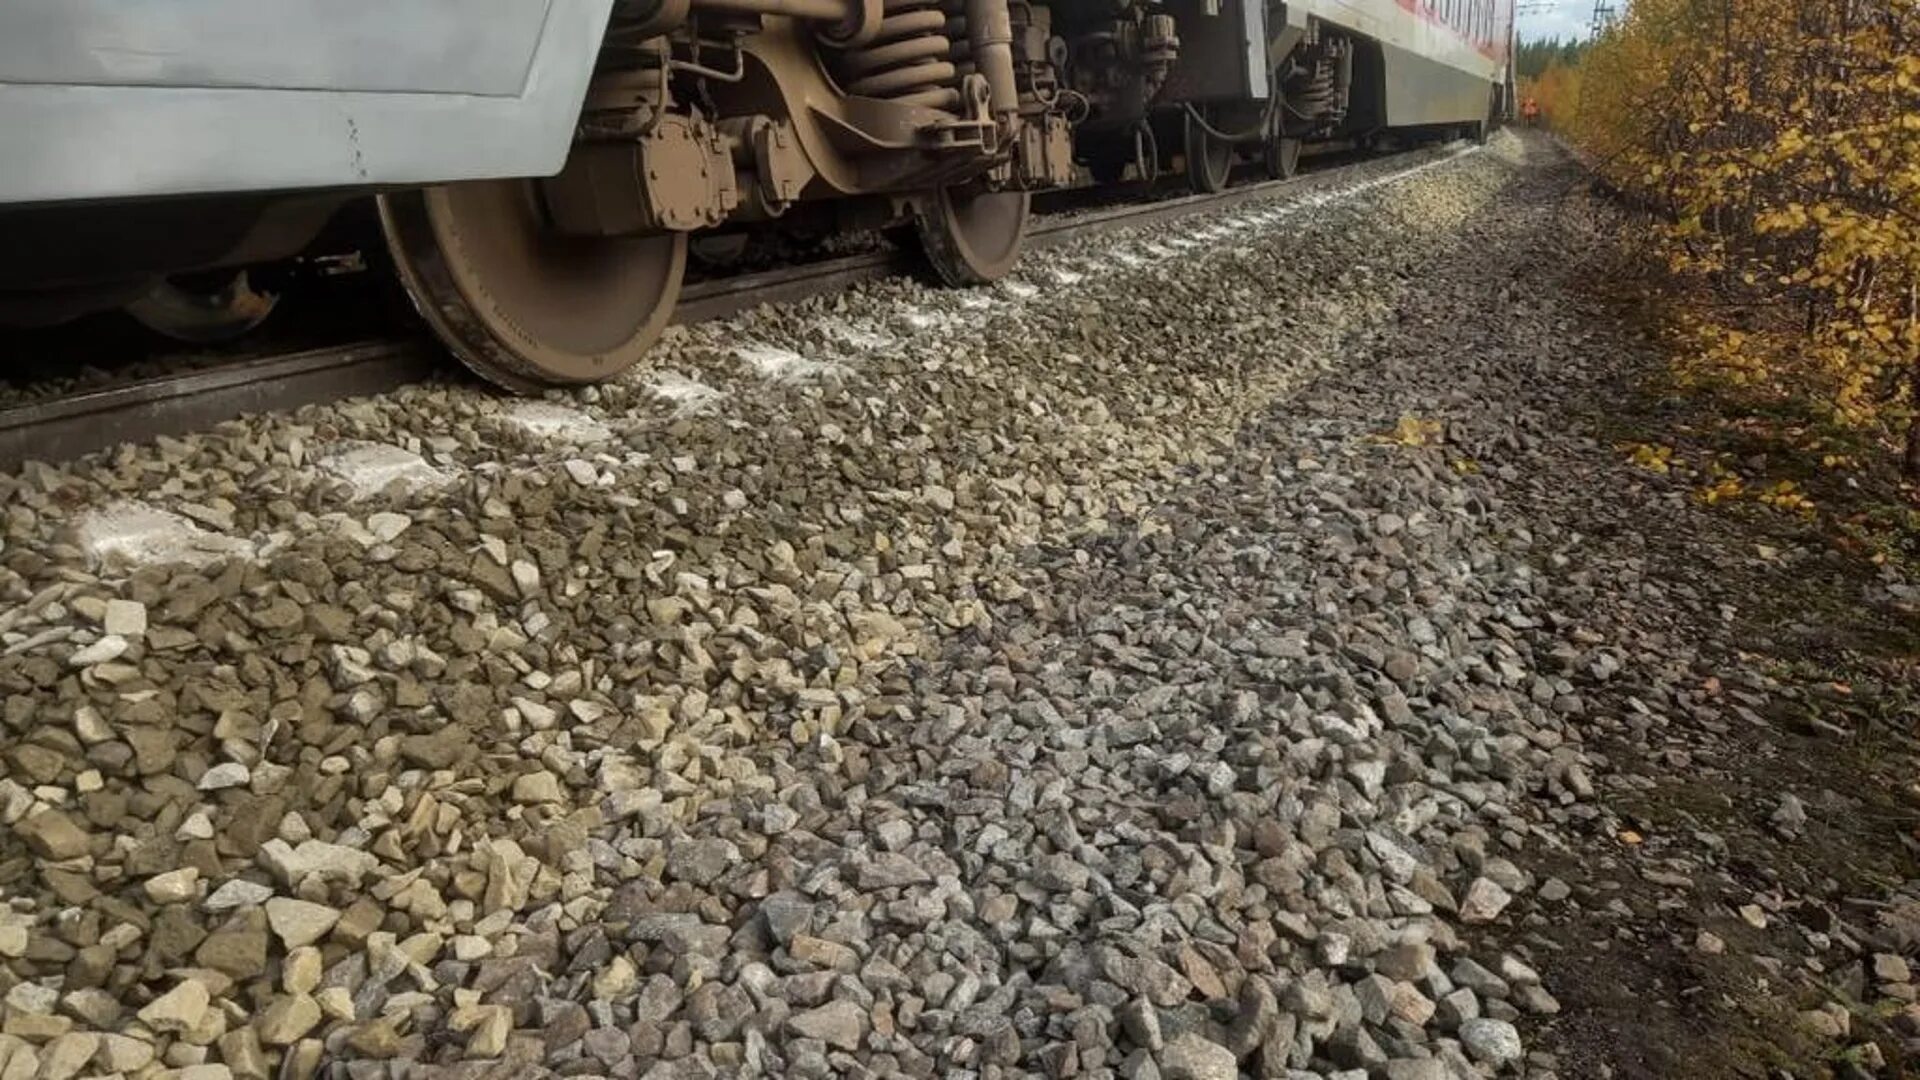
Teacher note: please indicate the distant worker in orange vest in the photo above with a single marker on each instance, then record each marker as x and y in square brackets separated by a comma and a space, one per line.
[1530, 112]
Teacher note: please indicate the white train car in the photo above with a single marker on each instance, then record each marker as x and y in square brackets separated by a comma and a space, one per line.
[1195, 81]
[538, 166]
[1442, 61]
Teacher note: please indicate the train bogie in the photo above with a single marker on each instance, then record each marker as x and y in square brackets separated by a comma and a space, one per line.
[1197, 83]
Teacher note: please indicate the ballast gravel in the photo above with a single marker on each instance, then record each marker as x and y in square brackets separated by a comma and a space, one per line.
[1104, 674]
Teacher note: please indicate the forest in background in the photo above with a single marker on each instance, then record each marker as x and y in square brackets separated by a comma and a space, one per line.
[1771, 152]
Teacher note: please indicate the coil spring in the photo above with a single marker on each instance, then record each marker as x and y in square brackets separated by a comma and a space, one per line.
[907, 61]
[1316, 95]
[961, 52]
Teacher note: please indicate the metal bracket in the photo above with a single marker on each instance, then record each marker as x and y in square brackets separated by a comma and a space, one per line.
[677, 177]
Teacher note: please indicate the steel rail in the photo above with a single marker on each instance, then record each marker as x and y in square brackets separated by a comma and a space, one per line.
[69, 426]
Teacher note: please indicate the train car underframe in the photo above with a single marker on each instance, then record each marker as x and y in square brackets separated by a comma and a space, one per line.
[700, 114]
[710, 112]
[1191, 84]
[705, 115]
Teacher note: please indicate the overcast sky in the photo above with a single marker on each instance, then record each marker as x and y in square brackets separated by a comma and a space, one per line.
[1557, 18]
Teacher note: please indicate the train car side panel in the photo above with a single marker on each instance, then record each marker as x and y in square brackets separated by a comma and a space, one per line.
[1441, 58]
[1421, 90]
[116, 99]
[421, 46]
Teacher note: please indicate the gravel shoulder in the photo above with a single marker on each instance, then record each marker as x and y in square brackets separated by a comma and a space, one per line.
[1232, 647]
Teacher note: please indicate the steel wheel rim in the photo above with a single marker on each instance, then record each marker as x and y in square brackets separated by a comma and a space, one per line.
[974, 236]
[522, 305]
[1283, 157]
[1209, 160]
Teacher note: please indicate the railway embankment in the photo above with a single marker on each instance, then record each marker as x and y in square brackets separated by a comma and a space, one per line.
[1245, 644]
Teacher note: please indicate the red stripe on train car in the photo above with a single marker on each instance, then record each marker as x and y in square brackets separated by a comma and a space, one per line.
[1492, 50]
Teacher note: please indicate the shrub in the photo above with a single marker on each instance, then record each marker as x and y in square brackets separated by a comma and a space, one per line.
[1777, 143]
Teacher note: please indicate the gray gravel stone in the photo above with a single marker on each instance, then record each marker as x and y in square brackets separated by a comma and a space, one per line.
[1086, 681]
[1491, 1042]
[837, 1023]
[1191, 1057]
[1790, 817]
[1484, 901]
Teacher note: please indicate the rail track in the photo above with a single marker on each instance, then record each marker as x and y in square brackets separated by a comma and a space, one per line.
[68, 426]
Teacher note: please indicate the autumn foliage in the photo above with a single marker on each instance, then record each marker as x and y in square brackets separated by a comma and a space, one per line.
[1548, 74]
[1557, 91]
[1776, 144]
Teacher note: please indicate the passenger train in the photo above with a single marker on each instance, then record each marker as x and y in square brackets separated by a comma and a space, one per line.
[537, 168]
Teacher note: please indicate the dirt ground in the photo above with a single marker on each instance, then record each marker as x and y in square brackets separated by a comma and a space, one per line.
[1701, 928]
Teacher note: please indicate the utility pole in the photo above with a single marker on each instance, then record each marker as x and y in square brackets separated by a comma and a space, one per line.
[1603, 13]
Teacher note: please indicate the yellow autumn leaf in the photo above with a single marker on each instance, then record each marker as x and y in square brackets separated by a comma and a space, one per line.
[1412, 431]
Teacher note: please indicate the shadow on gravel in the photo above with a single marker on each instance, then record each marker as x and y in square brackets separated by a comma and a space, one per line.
[1683, 919]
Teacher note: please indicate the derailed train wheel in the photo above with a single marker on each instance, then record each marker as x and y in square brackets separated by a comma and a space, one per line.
[971, 235]
[523, 305]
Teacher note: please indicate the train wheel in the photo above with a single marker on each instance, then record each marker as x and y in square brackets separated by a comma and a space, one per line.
[971, 235]
[1146, 153]
[1209, 158]
[203, 316]
[522, 305]
[1282, 155]
[1279, 152]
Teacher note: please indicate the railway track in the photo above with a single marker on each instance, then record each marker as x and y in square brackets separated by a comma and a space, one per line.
[69, 426]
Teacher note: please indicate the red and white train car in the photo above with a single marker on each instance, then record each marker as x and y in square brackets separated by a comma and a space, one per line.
[1443, 61]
